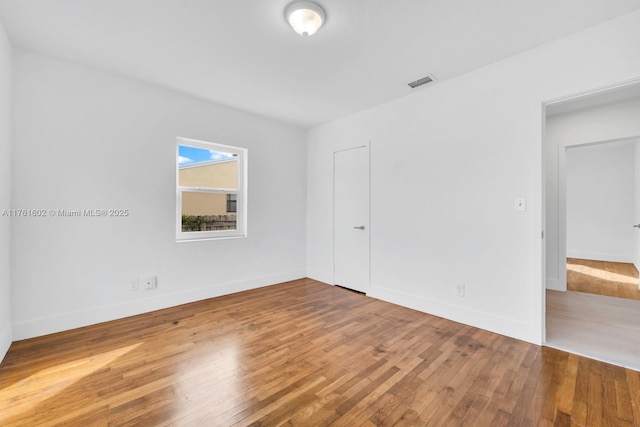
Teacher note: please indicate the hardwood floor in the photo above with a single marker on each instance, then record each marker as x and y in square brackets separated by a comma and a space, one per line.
[614, 279]
[309, 354]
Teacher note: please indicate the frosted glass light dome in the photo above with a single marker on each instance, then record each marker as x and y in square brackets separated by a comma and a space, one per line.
[305, 17]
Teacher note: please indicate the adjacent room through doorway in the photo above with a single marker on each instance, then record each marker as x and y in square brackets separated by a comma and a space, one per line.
[601, 217]
[592, 201]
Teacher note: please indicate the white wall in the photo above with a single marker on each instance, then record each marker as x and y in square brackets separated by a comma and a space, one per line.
[454, 156]
[5, 193]
[601, 201]
[602, 123]
[636, 212]
[84, 139]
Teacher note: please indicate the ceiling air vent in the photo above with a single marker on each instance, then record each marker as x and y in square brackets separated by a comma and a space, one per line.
[422, 81]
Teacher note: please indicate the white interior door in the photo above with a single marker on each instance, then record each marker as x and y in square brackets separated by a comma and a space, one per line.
[351, 218]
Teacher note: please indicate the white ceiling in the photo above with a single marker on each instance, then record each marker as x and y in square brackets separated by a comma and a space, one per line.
[242, 53]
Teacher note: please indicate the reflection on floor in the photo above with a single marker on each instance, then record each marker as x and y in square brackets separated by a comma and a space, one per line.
[615, 279]
[596, 326]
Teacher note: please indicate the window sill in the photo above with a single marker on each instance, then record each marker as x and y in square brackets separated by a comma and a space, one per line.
[200, 239]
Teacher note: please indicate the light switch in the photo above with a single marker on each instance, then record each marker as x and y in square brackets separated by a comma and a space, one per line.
[520, 205]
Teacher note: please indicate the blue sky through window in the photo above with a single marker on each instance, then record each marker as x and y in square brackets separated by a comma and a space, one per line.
[193, 155]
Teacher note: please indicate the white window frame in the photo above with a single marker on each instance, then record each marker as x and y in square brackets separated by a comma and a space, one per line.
[241, 192]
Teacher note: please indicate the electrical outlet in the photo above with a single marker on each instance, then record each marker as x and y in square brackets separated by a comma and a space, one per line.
[460, 290]
[149, 282]
[134, 284]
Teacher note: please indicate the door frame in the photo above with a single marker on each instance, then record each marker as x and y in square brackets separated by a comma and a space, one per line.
[561, 180]
[333, 217]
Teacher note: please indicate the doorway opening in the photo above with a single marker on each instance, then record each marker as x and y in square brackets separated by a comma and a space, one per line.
[602, 202]
[592, 200]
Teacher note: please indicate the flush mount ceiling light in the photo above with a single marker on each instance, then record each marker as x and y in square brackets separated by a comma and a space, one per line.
[305, 17]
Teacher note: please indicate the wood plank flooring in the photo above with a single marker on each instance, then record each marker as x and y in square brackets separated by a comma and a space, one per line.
[304, 353]
[614, 279]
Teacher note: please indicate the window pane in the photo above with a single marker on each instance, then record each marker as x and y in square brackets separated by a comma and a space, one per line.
[211, 191]
[206, 212]
[199, 167]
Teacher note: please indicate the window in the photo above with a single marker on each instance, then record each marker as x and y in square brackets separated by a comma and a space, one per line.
[211, 190]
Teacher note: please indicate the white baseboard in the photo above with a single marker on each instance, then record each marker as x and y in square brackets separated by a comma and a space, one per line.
[5, 340]
[320, 276]
[554, 285]
[482, 320]
[63, 322]
[599, 256]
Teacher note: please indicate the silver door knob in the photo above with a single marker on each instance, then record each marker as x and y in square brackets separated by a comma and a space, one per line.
[636, 226]
[359, 228]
